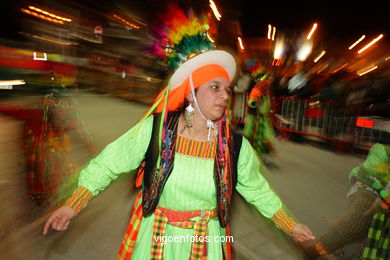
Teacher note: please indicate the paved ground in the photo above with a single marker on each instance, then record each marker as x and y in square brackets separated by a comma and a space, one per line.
[311, 181]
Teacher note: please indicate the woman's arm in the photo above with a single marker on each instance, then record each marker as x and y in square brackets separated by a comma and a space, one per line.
[256, 190]
[121, 156]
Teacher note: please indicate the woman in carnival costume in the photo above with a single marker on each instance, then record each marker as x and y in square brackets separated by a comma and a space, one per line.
[191, 160]
[258, 127]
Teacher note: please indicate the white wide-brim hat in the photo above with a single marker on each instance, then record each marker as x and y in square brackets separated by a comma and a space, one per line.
[217, 57]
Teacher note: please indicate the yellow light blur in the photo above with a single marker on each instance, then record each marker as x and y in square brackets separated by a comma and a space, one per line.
[279, 48]
[49, 14]
[304, 51]
[319, 56]
[209, 37]
[240, 42]
[366, 71]
[191, 55]
[215, 10]
[12, 82]
[273, 33]
[387, 58]
[312, 31]
[269, 31]
[357, 42]
[371, 43]
[126, 22]
[41, 16]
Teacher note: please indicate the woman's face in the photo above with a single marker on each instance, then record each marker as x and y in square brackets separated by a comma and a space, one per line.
[213, 97]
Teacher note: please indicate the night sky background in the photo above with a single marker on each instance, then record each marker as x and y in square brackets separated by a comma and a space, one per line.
[340, 20]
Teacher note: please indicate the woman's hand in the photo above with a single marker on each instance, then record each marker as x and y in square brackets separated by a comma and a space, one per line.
[302, 233]
[60, 219]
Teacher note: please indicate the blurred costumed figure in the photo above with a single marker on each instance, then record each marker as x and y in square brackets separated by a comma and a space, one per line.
[47, 145]
[258, 127]
[367, 218]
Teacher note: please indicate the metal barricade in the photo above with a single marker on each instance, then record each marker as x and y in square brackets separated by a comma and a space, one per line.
[329, 121]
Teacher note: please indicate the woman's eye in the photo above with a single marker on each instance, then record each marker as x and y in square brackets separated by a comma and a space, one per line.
[215, 87]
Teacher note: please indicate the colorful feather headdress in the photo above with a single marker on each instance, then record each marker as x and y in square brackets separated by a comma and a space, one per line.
[184, 41]
[257, 70]
[182, 35]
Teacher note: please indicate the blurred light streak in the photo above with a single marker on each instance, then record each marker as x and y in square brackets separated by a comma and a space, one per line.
[12, 82]
[50, 14]
[304, 51]
[357, 42]
[52, 40]
[322, 68]
[126, 22]
[340, 68]
[269, 31]
[371, 43]
[209, 37]
[241, 44]
[319, 56]
[41, 16]
[366, 71]
[312, 31]
[36, 58]
[279, 48]
[273, 33]
[215, 10]
[387, 58]
[88, 39]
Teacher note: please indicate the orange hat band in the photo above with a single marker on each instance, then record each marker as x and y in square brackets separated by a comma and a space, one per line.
[199, 77]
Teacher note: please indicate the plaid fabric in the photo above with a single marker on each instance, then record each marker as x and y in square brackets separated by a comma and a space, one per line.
[199, 249]
[159, 225]
[377, 245]
[128, 242]
[162, 217]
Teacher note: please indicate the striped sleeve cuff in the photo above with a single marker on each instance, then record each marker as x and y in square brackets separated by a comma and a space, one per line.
[79, 199]
[283, 221]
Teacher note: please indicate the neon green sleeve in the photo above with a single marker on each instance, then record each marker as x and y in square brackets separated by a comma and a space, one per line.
[252, 185]
[121, 156]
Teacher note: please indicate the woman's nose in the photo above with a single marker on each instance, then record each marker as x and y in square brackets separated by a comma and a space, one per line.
[225, 95]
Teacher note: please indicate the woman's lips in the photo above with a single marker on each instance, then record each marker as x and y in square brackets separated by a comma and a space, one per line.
[221, 106]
